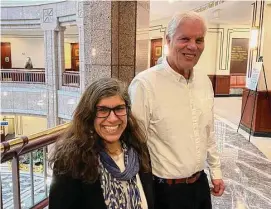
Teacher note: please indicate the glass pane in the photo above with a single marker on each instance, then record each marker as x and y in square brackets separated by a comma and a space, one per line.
[6, 183]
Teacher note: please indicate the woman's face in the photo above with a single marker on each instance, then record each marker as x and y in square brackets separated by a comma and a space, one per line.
[111, 118]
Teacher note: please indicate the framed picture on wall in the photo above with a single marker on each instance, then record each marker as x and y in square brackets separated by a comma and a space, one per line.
[158, 51]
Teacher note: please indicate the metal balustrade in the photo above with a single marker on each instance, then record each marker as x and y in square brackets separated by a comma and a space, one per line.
[35, 76]
[71, 78]
[22, 76]
[17, 159]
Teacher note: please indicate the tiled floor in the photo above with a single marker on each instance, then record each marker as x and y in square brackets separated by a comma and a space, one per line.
[245, 165]
[228, 110]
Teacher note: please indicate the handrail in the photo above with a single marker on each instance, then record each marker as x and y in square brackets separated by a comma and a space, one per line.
[34, 141]
[23, 70]
[13, 149]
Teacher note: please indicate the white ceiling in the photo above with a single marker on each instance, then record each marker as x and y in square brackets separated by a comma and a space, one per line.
[11, 3]
[230, 12]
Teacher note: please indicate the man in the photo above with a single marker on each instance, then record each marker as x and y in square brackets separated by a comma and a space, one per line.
[174, 103]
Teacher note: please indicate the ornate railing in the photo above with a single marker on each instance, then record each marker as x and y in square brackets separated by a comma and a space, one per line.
[71, 78]
[27, 186]
[22, 76]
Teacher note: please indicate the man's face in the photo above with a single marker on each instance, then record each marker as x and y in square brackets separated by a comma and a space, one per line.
[186, 45]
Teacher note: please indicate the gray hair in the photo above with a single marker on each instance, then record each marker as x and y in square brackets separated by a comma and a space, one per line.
[180, 18]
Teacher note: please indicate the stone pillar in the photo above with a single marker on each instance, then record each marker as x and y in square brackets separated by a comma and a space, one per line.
[107, 40]
[61, 53]
[258, 104]
[49, 24]
[143, 36]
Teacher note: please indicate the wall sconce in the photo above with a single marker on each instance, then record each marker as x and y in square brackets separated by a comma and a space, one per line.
[253, 43]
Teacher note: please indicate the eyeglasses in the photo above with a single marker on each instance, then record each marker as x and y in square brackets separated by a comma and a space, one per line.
[104, 112]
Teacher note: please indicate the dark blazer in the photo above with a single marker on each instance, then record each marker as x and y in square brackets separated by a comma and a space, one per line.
[69, 193]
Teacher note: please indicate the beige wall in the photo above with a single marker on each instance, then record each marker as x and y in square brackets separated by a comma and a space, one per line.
[25, 125]
[266, 53]
[67, 51]
[21, 48]
[211, 61]
[32, 125]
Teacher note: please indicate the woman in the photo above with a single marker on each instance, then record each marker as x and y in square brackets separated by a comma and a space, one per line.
[102, 161]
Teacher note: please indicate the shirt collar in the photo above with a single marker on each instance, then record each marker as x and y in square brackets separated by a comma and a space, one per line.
[177, 76]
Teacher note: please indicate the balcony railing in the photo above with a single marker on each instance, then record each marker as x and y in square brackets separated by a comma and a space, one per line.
[27, 186]
[23, 76]
[71, 78]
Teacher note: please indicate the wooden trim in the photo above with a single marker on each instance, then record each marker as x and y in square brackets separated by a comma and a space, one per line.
[262, 112]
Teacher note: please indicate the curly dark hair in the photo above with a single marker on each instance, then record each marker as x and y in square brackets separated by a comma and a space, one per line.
[76, 151]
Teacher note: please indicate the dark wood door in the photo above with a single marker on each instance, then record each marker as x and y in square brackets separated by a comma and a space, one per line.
[156, 50]
[5, 55]
[75, 56]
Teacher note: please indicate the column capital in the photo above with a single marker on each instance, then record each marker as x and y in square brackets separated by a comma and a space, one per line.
[49, 19]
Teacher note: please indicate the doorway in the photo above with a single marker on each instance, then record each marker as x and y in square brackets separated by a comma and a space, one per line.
[156, 50]
[74, 56]
[5, 55]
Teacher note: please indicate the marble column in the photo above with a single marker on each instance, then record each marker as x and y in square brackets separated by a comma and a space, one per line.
[51, 75]
[52, 36]
[107, 40]
[61, 53]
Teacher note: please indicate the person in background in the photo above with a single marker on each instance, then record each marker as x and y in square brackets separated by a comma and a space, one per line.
[102, 160]
[29, 66]
[174, 102]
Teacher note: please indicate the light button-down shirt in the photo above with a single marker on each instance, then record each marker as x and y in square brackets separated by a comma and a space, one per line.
[177, 116]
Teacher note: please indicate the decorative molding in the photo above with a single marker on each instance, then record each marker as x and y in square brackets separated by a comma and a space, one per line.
[48, 15]
[220, 31]
[161, 29]
[80, 10]
[209, 5]
[144, 5]
[69, 18]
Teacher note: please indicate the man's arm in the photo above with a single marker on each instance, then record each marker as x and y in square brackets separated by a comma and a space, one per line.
[140, 100]
[213, 158]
